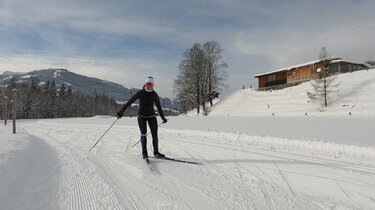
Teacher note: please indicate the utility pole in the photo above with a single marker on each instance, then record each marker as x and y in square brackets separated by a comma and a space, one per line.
[14, 112]
[5, 110]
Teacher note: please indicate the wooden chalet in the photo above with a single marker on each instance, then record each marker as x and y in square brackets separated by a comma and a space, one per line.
[297, 74]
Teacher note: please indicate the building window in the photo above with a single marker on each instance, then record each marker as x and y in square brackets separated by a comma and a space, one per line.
[315, 70]
[292, 73]
[333, 68]
[271, 77]
[344, 67]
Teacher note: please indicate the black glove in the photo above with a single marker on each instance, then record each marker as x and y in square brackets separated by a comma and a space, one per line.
[164, 120]
[120, 114]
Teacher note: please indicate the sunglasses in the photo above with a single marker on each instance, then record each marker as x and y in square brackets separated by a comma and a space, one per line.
[149, 85]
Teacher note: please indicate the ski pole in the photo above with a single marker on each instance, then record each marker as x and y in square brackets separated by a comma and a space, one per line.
[103, 135]
[146, 135]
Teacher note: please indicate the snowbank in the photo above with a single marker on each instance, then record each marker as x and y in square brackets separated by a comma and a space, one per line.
[348, 153]
[11, 143]
[29, 172]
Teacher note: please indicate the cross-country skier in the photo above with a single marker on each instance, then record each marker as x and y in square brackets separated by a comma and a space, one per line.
[147, 98]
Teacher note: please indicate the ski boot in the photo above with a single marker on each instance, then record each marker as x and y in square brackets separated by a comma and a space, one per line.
[159, 155]
[144, 155]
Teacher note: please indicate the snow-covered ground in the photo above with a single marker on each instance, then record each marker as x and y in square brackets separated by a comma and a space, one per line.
[355, 95]
[47, 165]
[250, 159]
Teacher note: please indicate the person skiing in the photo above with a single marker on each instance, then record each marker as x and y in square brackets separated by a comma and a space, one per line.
[146, 113]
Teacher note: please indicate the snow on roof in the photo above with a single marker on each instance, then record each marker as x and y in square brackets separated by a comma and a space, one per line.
[292, 67]
[344, 61]
[271, 72]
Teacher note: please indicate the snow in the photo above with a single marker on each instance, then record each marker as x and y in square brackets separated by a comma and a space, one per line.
[29, 172]
[27, 76]
[249, 158]
[56, 73]
[10, 73]
[238, 171]
[355, 96]
[69, 84]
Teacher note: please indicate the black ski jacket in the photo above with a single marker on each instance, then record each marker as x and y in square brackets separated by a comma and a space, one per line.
[146, 103]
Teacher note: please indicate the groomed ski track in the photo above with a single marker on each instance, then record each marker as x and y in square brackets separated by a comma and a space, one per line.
[232, 176]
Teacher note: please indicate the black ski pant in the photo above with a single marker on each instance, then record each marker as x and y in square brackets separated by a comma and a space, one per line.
[153, 124]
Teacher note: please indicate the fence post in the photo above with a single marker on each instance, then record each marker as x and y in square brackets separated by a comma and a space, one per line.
[14, 111]
[5, 110]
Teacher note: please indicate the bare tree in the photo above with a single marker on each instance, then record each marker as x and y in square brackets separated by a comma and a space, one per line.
[371, 62]
[215, 65]
[189, 83]
[201, 72]
[325, 85]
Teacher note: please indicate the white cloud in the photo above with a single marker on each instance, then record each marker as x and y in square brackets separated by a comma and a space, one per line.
[117, 40]
[298, 44]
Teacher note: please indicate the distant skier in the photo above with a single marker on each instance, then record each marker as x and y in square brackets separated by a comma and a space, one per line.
[147, 98]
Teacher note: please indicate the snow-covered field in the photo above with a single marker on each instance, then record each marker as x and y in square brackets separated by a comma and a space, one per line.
[47, 166]
[297, 158]
[355, 95]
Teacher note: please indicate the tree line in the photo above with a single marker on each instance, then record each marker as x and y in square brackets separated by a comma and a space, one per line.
[201, 73]
[34, 101]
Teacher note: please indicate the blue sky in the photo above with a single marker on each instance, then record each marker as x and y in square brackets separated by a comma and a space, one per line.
[126, 41]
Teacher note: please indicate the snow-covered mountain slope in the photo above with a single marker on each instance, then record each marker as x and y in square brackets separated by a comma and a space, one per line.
[83, 84]
[355, 95]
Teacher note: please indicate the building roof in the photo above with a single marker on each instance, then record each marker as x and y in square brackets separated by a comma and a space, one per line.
[344, 61]
[295, 66]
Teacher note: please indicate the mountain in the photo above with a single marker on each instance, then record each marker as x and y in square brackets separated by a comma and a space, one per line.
[83, 84]
[80, 83]
[355, 96]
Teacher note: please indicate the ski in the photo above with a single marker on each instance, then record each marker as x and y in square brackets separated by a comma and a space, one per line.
[149, 164]
[177, 160]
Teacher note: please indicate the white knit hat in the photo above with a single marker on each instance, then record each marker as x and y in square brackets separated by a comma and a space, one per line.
[150, 80]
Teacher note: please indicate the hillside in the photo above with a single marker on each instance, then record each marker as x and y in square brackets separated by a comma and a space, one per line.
[85, 85]
[356, 95]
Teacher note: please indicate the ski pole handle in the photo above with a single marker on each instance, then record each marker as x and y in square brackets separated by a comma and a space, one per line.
[146, 135]
[103, 135]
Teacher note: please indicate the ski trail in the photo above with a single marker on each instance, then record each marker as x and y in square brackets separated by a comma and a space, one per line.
[234, 181]
[86, 186]
[124, 182]
[367, 185]
[238, 169]
[278, 191]
[285, 180]
[267, 194]
[115, 177]
[342, 189]
[328, 163]
[263, 187]
[266, 200]
[80, 186]
[123, 190]
[126, 186]
[204, 175]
